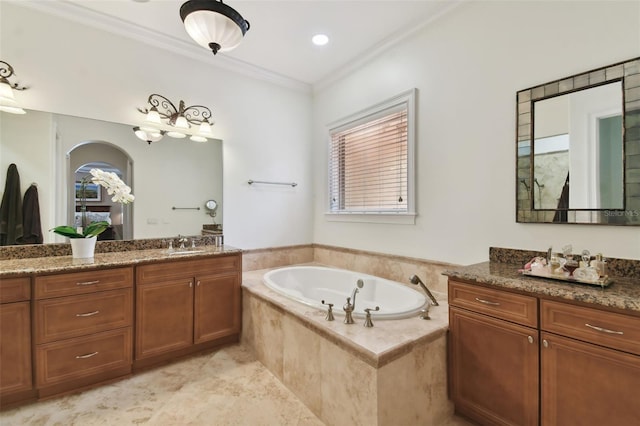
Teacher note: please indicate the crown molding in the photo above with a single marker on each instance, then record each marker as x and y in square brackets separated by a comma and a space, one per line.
[385, 45]
[93, 19]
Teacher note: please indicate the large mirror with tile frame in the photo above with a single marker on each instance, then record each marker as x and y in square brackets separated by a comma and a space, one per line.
[578, 148]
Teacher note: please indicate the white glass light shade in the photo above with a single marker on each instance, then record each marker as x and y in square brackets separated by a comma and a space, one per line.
[197, 138]
[6, 94]
[7, 101]
[176, 135]
[207, 27]
[181, 122]
[205, 129]
[153, 116]
[12, 110]
[147, 135]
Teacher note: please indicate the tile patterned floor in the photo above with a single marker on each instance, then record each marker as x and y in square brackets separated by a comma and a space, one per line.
[225, 387]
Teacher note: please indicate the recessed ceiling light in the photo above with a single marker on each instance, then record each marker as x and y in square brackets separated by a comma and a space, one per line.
[320, 39]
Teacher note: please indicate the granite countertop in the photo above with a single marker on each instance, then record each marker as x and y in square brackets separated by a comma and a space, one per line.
[53, 264]
[622, 293]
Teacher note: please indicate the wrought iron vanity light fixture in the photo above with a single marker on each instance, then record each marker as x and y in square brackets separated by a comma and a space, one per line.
[7, 101]
[213, 25]
[178, 121]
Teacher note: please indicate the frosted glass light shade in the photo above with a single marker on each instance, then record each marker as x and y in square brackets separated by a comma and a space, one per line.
[153, 116]
[213, 24]
[7, 101]
[205, 129]
[197, 138]
[181, 122]
[148, 135]
[176, 135]
[6, 94]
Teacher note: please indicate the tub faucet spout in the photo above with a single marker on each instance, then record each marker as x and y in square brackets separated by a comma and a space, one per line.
[416, 280]
[348, 311]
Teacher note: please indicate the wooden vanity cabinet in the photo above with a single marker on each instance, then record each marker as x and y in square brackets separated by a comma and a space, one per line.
[493, 355]
[16, 379]
[590, 366]
[83, 328]
[186, 305]
[584, 369]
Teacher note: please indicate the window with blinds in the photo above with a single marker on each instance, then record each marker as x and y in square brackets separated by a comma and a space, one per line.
[370, 159]
[368, 165]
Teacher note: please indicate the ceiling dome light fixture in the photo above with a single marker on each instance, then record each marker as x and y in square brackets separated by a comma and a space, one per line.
[179, 121]
[7, 101]
[320, 39]
[213, 24]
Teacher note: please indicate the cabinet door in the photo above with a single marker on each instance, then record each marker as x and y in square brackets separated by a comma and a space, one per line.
[585, 384]
[494, 369]
[164, 317]
[217, 307]
[15, 348]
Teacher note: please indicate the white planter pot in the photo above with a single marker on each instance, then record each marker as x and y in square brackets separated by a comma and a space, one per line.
[82, 248]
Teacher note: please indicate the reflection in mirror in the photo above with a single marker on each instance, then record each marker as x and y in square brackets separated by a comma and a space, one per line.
[578, 148]
[100, 206]
[169, 173]
[578, 153]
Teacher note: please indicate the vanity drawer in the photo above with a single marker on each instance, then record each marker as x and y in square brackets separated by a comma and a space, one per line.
[15, 289]
[66, 360]
[166, 271]
[66, 317]
[496, 303]
[82, 282]
[617, 331]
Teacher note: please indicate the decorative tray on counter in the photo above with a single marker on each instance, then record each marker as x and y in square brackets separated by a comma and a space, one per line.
[602, 281]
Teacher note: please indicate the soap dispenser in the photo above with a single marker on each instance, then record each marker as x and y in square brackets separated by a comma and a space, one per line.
[599, 264]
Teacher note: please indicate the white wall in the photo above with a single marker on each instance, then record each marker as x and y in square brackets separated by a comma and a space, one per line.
[468, 67]
[76, 70]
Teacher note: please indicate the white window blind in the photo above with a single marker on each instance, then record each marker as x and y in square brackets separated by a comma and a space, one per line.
[368, 164]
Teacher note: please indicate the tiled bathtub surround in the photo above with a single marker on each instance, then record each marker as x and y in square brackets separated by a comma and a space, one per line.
[396, 268]
[391, 374]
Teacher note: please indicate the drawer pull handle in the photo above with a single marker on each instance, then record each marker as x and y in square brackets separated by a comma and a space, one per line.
[604, 330]
[486, 302]
[88, 314]
[87, 355]
[88, 282]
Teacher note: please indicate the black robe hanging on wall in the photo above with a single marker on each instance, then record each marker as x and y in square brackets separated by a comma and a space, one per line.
[11, 209]
[32, 229]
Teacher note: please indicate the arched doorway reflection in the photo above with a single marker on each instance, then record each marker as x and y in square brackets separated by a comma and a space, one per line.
[110, 158]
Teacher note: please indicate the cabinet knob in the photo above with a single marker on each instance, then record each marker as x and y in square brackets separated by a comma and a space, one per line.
[545, 343]
[198, 283]
[530, 339]
[190, 284]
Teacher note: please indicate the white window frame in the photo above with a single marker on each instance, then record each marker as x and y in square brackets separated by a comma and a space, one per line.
[407, 98]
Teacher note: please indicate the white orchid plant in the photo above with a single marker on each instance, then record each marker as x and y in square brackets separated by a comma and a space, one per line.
[115, 187]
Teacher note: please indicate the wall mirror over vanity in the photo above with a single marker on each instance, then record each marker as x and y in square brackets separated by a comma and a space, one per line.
[55, 151]
[578, 148]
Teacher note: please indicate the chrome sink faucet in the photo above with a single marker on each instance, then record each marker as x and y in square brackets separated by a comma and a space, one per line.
[182, 240]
